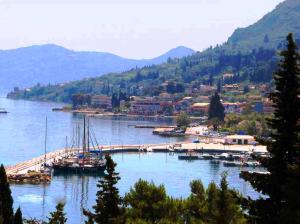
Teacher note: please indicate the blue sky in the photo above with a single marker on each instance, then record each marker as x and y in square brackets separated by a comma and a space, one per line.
[130, 28]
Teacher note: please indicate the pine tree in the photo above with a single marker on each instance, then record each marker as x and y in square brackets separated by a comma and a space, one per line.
[58, 216]
[216, 113]
[212, 193]
[228, 208]
[18, 219]
[108, 208]
[282, 184]
[196, 201]
[6, 200]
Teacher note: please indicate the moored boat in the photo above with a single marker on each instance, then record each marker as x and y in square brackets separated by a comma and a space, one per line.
[85, 162]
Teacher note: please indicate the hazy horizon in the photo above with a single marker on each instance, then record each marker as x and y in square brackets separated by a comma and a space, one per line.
[129, 29]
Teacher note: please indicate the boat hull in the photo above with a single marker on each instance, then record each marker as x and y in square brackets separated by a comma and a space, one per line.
[79, 169]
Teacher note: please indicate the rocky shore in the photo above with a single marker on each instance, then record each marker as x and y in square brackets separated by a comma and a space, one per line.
[32, 177]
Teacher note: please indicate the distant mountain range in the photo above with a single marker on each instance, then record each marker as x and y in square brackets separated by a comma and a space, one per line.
[27, 66]
[251, 54]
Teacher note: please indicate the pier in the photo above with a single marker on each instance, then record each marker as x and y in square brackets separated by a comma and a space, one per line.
[36, 164]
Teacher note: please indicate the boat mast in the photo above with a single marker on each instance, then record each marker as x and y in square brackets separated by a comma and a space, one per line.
[84, 138]
[46, 130]
[88, 135]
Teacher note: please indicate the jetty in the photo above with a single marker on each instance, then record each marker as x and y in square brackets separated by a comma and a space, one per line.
[36, 164]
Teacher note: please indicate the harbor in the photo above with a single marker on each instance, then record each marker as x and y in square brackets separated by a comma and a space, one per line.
[36, 164]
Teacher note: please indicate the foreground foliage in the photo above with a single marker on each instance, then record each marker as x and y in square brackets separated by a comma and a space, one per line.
[281, 186]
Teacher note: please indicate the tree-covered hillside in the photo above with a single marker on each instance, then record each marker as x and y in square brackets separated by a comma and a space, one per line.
[256, 64]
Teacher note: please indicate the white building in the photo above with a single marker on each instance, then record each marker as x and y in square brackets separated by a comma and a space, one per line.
[240, 139]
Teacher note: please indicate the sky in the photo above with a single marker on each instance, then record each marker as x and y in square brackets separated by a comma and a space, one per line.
[129, 28]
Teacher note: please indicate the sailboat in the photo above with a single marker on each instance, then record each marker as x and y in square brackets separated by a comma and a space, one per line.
[84, 162]
[45, 167]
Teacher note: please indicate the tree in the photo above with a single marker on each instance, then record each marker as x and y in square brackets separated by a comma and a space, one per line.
[212, 193]
[108, 208]
[58, 216]
[216, 112]
[281, 185]
[18, 219]
[183, 120]
[228, 208]
[196, 202]
[6, 200]
[148, 203]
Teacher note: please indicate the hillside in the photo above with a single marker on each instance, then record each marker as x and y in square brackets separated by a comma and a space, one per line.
[247, 53]
[52, 64]
[269, 31]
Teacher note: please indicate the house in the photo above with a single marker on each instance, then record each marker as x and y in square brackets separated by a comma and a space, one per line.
[199, 108]
[183, 104]
[233, 107]
[100, 101]
[227, 76]
[240, 140]
[230, 87]
[206, 90]
[146, 106]
[268, 106]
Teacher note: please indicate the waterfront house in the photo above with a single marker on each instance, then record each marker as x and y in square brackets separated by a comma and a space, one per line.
[240, 140]
[100, 101]
[146, 106]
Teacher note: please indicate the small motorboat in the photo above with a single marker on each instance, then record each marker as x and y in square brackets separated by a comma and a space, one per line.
[3, 111]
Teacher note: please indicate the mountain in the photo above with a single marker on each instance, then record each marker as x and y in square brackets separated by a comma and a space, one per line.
[27, 66]
[270, 31]
[251, 54]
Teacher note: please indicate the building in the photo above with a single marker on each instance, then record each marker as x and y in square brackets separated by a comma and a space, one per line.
[199, 108]
[147, 106]
[233, 107]
[268, 106]
[230, 87]
[103, 102]
[240, 140]
[227, 76]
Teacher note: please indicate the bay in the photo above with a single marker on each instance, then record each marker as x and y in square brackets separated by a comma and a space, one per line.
[22, 137]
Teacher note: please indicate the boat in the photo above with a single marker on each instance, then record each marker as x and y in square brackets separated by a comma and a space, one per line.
[232, 163]
[3, 111]
[207, 156]
[252, 164]
[190, 155]
[85, 162]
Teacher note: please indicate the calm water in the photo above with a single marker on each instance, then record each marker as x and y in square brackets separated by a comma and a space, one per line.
[22, 136]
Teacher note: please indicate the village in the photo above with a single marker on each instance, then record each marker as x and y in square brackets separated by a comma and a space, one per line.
[194, 101]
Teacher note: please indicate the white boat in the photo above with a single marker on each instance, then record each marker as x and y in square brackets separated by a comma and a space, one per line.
[3, 111]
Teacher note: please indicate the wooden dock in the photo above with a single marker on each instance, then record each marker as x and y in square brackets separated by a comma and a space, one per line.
[35, 164]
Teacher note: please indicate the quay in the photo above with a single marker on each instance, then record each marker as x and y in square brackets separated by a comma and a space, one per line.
[36, 164]
[153, 126]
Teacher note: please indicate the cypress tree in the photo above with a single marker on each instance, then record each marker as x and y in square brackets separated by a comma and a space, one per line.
[58, 216]
[6, 200]
[108, 203]
[281, 185]
[18, 219]
[216, 113]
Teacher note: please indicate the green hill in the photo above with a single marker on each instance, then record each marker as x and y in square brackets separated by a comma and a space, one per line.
[250, 53]
[269, 31]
